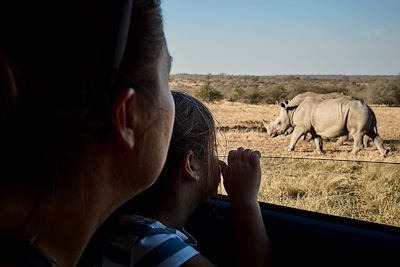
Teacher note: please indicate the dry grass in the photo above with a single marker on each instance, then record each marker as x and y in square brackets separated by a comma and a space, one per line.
[365, 186]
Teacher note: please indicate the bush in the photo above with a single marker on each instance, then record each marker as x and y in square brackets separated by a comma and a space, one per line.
[278, 94]
[254, 96]
[378, 92]
[237, 94]
[207, 93]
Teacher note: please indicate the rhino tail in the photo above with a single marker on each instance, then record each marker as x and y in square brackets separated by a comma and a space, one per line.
[373, 133]
[374, 124]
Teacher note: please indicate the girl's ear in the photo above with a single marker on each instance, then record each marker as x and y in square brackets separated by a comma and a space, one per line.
[123, 126]
[190, 166]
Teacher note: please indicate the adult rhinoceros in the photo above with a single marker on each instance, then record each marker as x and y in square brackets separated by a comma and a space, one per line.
[296, 101]
[328, 118]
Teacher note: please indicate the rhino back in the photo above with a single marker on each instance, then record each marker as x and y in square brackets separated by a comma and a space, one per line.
[296, 101]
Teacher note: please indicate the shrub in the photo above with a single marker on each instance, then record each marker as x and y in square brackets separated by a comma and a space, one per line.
[278, 94]
[207, 93]
[237, 94]
[253, 96]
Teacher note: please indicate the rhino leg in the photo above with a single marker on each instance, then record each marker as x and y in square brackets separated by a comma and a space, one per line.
[366, 140]
[341, 140]
[358, 143]
[305, 137]
[379, 145]
[296, 134]
[318, 144]
[288, 131]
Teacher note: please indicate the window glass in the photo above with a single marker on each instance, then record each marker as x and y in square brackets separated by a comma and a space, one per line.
[243, 58]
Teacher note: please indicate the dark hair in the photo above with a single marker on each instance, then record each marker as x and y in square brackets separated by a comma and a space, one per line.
[194, 129]
[58, 80]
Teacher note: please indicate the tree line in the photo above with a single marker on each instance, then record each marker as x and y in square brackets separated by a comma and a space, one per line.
[381, 90]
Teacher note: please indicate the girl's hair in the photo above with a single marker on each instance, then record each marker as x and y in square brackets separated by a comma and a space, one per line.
[194, 129]
[57, 79]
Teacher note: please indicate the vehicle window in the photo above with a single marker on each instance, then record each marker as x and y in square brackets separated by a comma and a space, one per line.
[244, 58]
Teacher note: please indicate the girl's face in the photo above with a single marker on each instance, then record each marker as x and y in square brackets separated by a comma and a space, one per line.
[216, 176]
[212, 175]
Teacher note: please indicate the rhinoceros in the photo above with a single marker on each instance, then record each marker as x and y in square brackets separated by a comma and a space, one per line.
[296, 101]
[328, 118]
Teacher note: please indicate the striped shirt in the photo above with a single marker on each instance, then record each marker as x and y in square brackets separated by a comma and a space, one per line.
[141, 241]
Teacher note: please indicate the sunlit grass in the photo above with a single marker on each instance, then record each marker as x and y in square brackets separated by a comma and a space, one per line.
[337, 183]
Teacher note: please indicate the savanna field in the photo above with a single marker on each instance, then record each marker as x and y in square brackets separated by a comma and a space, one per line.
[365, 186]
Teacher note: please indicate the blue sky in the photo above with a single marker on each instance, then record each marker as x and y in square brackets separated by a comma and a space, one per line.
[265, 37]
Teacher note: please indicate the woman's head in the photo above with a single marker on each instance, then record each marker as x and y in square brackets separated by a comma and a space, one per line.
[63, 84]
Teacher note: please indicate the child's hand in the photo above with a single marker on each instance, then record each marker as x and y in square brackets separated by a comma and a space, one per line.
[242, 175]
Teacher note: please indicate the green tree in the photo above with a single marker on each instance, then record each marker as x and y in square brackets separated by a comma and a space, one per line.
[208, 93]
[237, 94]
[278, 94]
[254, 96]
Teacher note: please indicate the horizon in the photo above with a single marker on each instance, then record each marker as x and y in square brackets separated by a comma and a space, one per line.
[270, 75]
[268, 38]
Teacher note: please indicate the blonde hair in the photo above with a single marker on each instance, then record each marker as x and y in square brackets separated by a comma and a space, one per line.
[194, 129]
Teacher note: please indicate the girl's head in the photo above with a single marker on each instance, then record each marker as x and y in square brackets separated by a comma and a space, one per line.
[194, 135]
[65, 95]
[194, 130]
